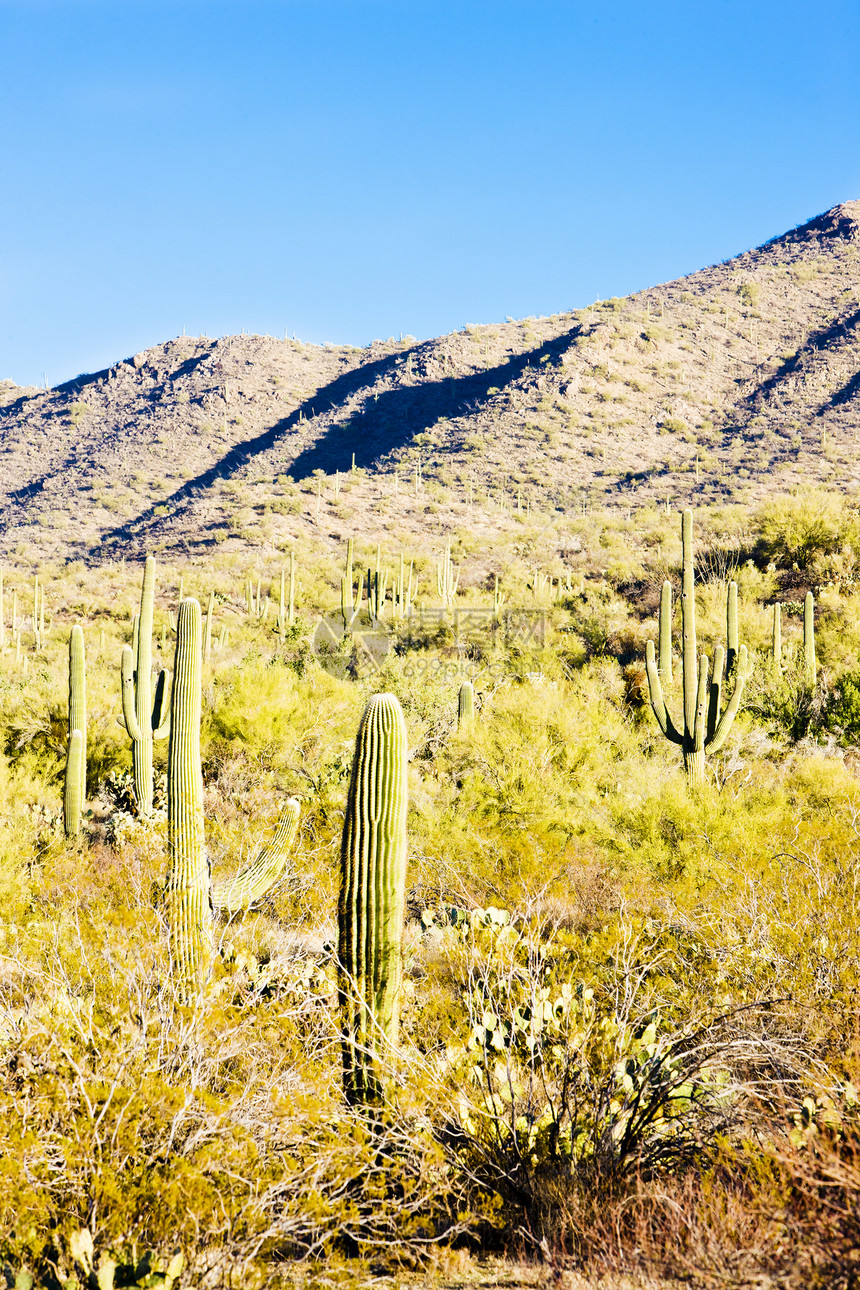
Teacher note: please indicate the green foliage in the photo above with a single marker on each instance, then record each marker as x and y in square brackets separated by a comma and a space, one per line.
[800, 528]
[843, 708]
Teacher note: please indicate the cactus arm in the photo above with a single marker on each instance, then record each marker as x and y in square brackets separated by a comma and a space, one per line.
[128, 712]
[809, 660]
[161, 706]
[725, 723]
[690, 659]
[72, 796]
[701, 706]
[731, 629]
[776, 638]
[372, 897]
[664, 667]
[187, 889]
[716, 693]
[259, 878]
[655, 692]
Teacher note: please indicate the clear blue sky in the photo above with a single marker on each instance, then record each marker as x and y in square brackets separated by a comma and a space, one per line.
[348, 169]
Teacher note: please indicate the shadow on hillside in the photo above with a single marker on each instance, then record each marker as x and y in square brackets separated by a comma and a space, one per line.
[383, 423]
[839, 330]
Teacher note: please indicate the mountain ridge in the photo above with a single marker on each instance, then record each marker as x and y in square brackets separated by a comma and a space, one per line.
[725, 385]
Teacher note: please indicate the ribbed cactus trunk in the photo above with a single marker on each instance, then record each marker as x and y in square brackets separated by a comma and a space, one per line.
[664, 657]
[465, 706]
[188, 903]
[809, 661]
[372, 898]
[76, 762]
[72, 799]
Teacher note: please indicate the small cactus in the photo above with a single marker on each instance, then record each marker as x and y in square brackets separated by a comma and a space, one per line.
[447, 577]
[188, 894]
[466, 706]
[809, 660]
[705, 728]
[187, 889]
[145, 720]
[76, 761]
[207, 636]
[372, 898]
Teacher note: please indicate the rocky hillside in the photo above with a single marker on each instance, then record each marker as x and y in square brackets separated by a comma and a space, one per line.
[733, 382]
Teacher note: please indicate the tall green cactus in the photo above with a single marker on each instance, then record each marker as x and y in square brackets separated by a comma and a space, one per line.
[447, 577]
[189, 897]
[809, 660]
[776, 639]
[76, 761]
[188, 874]
[145, 720]
[465, 706]
[372, 898]
[705, 727]
[72, 799]
[287, 614]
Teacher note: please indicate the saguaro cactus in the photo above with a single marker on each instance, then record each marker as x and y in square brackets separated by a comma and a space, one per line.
[809, 661]
[372, 897]
[72, 799]
[447, 577]
[76, 761]
[189, 899]
[776, 639]
[705, 728]
[465, 705]
[188, 875]
[144, 720]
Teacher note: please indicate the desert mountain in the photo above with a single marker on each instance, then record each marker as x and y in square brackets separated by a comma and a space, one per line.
[736, 381]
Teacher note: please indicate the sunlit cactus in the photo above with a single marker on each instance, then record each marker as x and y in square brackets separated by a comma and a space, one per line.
[189, 898]
[776, 639]
[809, 660]
[187, 891]
[372, 898]
[465, 705]
[72, 796]
[76, 762]
[705, 727]
[145, 720]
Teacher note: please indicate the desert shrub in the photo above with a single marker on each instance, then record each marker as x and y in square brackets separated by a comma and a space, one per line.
[843, 708]
[799, 528]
